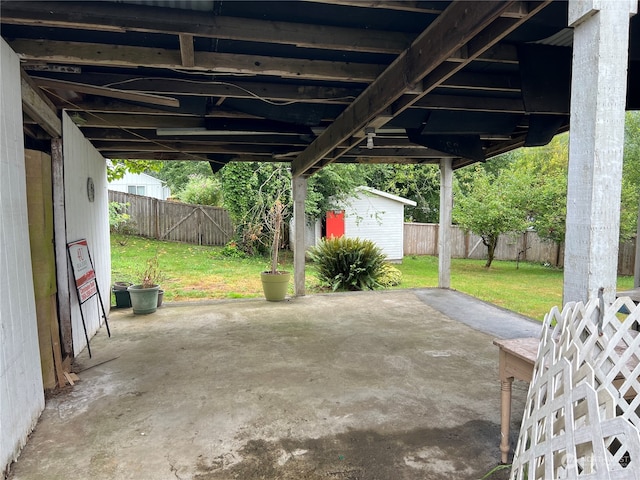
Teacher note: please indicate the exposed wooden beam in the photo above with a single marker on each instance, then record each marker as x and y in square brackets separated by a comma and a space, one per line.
[107, 92]
[135, 135]
[224, 63]
[186, 50]
[405, 6]
[421, 152]
[202, 148]
[39, 107]
[456, 26]
[123, 120]
[482, 81]
[175, 155]
[369, 160]
[123, 17]
[478, 44]
[228, 88]
[472, 104]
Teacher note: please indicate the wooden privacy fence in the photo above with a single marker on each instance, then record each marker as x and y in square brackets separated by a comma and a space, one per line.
[422, 239]
[179, 222]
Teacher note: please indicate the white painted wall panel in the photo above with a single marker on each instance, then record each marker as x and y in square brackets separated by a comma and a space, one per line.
[21, 391]
[88, 220]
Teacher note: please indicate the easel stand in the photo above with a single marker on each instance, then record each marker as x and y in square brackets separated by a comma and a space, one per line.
[85, 281]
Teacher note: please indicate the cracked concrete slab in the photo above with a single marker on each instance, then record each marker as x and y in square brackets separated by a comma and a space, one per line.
[368, 385]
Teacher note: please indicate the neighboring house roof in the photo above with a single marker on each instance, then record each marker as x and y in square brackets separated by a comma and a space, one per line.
[145, 176]
[380, 193]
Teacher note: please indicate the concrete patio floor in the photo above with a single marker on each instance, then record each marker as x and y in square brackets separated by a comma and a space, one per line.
[357, 386]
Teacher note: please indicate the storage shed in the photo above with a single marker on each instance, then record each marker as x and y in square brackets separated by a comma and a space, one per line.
[372, 215]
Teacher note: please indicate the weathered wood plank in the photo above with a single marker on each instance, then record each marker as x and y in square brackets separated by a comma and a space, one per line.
[176, 21]
[128, 56]
[39, 107]
[186, 50]
[109, 92]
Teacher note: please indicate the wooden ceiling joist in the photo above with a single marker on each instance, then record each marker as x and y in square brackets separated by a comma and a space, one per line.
[453, 28]
[101, 15]
[272, 83]
[120, 56]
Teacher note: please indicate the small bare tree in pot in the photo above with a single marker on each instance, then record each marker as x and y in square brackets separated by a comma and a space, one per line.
[144, 296]
[275, 283]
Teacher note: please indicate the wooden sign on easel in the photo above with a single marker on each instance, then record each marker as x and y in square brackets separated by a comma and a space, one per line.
[84, 277]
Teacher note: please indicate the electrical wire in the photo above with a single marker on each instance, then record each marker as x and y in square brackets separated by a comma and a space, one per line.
[131, 132]
[228, 84]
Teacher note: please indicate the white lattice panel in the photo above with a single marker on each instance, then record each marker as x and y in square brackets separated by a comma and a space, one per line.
[582, 413]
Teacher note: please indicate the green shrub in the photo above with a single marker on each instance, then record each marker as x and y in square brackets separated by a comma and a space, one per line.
[201, 190]
[348, 263]
[231, 250]
[389, 276]
[119, 220]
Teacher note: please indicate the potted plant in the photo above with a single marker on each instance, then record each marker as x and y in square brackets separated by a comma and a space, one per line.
[123, 299]
[144, 296]
[275, 282]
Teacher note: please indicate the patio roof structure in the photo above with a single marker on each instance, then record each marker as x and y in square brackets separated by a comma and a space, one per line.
[307, 82]
[310, 82]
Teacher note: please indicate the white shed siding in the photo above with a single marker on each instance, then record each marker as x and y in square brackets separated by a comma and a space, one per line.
[377, 218]
[21, 391]
[153, 187]
[88, 220]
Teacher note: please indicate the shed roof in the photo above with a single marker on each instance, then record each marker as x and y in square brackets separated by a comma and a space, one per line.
[389, 196]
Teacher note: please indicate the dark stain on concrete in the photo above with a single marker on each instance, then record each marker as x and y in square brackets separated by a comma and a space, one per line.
[434, 454]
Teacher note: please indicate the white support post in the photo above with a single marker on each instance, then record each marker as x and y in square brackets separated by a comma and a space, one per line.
[299, 189]
[444, 231]
[598, 94]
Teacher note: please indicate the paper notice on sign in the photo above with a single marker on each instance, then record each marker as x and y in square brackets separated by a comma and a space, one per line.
[86, 291]
[83, 271]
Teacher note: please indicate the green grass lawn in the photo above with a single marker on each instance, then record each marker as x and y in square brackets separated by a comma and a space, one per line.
[201, 272]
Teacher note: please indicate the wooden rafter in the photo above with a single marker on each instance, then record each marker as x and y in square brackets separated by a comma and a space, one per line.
[453, 29]
[225, 63]
[99, 15]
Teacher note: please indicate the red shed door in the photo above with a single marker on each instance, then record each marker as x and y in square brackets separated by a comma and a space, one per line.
[335, 223]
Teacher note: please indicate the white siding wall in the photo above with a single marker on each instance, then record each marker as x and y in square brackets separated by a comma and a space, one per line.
[88, 220]
[21, 391]
[153, 186]
[378, 219]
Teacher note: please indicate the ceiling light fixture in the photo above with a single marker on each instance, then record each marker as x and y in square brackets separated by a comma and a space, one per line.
[370, 132]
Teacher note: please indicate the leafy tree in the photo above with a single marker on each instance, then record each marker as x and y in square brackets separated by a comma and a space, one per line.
[331, 185]
[420, 183]
[178, 173]
[116, 169]
[249, 190]
[547, 167]
[630, 195]
[201, 190]
[493, 206]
